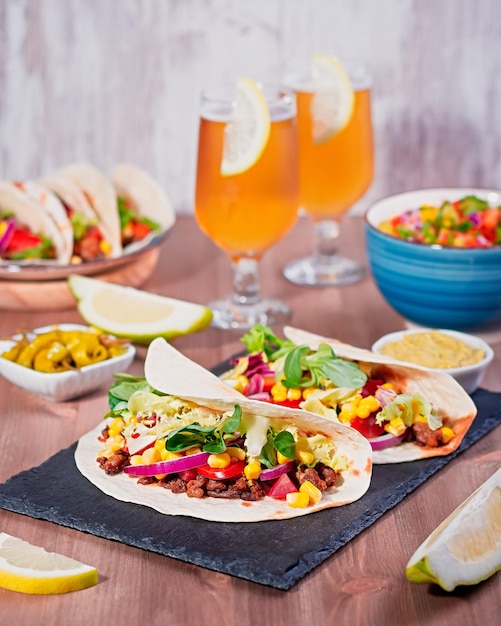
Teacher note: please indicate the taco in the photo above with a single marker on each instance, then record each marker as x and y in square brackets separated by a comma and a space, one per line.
[405, 412]
[182, 442]
[143, 206]
[27, 230]
[90, 197]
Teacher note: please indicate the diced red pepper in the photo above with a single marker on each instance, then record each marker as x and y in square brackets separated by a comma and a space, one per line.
[23, 240]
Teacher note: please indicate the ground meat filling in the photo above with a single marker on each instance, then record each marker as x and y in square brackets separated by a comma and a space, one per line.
[425, 436]
[321, 476]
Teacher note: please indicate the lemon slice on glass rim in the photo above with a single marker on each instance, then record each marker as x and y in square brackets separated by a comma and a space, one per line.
[135, 314]
[28, 568]
[466, 547]
[333, 99]
[248, 131]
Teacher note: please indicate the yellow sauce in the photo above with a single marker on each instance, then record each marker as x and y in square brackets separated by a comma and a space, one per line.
[433, 349]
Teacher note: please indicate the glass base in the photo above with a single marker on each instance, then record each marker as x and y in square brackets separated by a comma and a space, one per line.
[231, 315]
[312, 271]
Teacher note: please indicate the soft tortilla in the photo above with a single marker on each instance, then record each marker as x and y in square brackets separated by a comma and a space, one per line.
[447, 396]
[147, 196]
[31, 213]
[169, 371]
[101, 196]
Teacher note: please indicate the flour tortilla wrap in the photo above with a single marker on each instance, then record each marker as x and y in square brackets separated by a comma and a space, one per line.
[169, 371]
[29, 212]
[100, 195]
[449, 399]
[145, 194]
[42, 194]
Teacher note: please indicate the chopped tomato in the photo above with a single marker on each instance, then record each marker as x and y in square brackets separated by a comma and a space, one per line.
[292, 404]
[282, 487]
[188, 475]
[268, 380]
[367, 426]
[23, 240]
[140, 230]
[219, 473]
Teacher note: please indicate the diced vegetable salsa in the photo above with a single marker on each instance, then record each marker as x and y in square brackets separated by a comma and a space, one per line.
[466, 223]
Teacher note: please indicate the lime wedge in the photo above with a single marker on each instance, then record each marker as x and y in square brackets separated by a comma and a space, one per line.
[246, 135]
[466, 547]
[134, 314]
[30, 569]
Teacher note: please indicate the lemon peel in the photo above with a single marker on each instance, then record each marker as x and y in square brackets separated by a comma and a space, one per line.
[333, 99]
[466, 547]
[27, 568]
[135, 314]
[246, 134]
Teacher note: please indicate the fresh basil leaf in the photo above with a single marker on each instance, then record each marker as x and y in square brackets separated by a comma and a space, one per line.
[233, 423]
[293, 368]
[268, 456]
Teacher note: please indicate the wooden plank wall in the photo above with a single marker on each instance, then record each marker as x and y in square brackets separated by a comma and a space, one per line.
[112, 80]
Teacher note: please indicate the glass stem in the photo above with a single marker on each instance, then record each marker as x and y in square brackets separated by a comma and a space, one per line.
[327, 233]
[245, 281]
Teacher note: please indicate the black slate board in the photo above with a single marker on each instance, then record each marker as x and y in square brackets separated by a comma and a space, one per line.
[273, 553]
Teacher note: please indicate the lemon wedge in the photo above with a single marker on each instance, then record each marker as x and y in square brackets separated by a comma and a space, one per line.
[134, 314]
[248, 131]
[333, 99]
[466, 547]
[31, 569]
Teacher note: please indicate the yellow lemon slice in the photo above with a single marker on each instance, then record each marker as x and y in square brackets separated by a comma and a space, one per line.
[134, 314]
[30, 569]
[333, 99]
[248, 131]
[466, 547]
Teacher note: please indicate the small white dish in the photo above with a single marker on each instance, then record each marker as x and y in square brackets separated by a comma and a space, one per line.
[63, 386]
[468, 376]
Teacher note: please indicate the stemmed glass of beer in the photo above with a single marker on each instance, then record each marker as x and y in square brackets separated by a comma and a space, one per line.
[336, 160]
[247, 191]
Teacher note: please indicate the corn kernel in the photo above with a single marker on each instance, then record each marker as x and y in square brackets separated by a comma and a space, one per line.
[252, 470]
[294, 394]
[221, 460]
[421, 419]
[447, 434]
[308, 391]
[159, 445]
[241, 383]
[282, 458]
[396, 426]
[193, 450]
[303, 456]
[312, 491]
[363, 411]
[115, 443]
[116, 427]
[167, 455]
[236, 453]
[297, 499]
[371, 402]
[151, 455]
[105, 247]
[278, 392]
[136, 459]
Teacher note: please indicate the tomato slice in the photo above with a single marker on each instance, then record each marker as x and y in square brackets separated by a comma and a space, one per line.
[282, 487]
[367, 426]
[219, 473]
[23, 240]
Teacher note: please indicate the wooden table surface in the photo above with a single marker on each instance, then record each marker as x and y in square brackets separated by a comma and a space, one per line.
[363, 583]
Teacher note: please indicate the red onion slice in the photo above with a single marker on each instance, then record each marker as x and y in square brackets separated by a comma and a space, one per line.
[169, 467]
[278, 470]
[386, 441]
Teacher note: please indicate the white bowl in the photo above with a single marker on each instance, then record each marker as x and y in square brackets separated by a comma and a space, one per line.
[468, 376]
[62, 386]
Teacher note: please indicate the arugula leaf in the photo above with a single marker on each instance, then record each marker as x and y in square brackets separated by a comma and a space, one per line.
[125, 385]
[319, 365]
[261, 338]
[209, 438]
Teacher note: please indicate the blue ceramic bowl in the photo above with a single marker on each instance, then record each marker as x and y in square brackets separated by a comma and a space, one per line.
[433, 286]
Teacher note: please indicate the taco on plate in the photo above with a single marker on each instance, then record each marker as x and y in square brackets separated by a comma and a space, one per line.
[406, 412]
[184, 443]
[143, 206]
[28, 232]
[91, 202]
